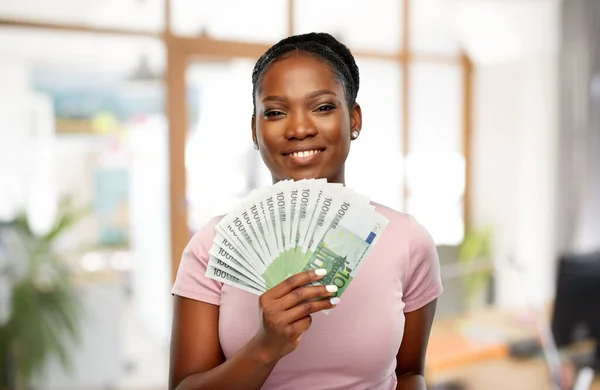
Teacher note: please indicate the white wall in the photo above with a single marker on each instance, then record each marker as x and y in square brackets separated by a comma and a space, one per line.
[150, 228]
[514, 160]
[514, 169]
[14, 92]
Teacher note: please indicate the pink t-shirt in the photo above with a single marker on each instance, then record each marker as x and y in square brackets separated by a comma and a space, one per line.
[355, 346]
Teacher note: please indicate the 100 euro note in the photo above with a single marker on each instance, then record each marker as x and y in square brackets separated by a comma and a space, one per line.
[226, 277]
[254, 235]
[332, 199]
[311, 217]
[298, 194]
[293, 227]
[223, 266]
[346, 245]
[350, 202]
[283, 207]
[308, 195]
[275, 208]
[256, 230]
[223, 251]
[233, 228]
[290, 234]
[251, 222]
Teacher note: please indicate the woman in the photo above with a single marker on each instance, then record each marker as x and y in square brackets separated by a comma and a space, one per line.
[304, 91]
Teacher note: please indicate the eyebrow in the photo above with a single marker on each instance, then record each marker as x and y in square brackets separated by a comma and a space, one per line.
[320, 92]
[310, 95]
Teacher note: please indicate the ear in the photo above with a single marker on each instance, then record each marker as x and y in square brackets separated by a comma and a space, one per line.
[356, 118]
[253, 126]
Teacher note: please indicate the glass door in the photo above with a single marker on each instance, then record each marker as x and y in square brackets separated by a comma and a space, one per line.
[221, 164]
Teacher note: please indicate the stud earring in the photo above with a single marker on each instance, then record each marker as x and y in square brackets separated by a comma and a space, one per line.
[255, 146]
[354, 134]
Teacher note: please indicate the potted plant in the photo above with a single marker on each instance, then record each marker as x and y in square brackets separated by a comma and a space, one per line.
[42, 313]
[475, 259]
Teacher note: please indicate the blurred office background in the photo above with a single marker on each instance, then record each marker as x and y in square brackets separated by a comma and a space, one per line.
[483, 114]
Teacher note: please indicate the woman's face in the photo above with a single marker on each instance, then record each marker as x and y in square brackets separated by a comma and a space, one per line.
[302, 122]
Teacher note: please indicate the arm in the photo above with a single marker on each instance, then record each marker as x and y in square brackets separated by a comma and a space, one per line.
[410, 360]
[197, 361]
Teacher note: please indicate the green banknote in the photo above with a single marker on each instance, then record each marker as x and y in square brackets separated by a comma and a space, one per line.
[344, 248]
[291, 227]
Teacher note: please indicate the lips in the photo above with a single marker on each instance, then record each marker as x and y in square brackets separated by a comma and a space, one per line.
[306, 153]
[304, 156]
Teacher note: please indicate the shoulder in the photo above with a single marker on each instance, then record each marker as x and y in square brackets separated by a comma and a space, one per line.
[202, 239]
[404, 225]
[190, 281]
[394, 216]
[418, 254]
[404, 234]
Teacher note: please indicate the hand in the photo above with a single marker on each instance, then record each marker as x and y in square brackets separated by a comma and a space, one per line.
[286, 310]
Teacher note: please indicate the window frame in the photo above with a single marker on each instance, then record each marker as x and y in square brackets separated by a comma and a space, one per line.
[182, 51]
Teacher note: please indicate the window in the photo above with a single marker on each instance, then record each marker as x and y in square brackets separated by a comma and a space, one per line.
[378, 150]
[220, 159]
[432, 29]
[263, 21]
[435, 164]
[374, 25]
[125, 14]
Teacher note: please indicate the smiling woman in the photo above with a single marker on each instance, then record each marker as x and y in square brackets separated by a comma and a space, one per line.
[304, 121]
[292, 124]
[306, 103]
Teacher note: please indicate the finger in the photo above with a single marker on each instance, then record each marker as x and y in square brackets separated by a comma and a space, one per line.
[307, 308]
[295, 297]
[301, 325]
[295, 281]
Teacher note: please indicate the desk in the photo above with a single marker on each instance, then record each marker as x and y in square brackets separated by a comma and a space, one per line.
[473, 349]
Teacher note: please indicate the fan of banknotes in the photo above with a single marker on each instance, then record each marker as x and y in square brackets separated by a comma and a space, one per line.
[291, 227]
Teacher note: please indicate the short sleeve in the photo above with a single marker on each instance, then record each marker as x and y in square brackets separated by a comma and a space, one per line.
[191, 281]
[423, 279]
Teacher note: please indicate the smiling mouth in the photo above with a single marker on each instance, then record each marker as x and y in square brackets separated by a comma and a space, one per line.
[304, 153]
[304, 157]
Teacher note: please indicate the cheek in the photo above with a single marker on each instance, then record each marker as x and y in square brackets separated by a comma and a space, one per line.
[266, 134]
[337, 131]
[268, 138]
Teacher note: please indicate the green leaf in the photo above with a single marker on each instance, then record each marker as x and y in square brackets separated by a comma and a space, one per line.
[45, 322]
[476, 246]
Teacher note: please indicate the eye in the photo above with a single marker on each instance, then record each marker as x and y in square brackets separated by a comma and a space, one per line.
[273, 114]
[325, 107]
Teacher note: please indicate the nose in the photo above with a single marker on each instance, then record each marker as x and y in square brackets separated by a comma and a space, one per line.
[300, 126]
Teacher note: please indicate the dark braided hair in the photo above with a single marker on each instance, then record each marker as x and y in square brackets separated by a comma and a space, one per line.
[322, 46]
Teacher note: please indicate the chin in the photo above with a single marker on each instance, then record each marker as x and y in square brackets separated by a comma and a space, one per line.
[308, 174]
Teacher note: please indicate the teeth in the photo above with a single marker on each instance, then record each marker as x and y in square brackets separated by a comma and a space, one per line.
[305, 153]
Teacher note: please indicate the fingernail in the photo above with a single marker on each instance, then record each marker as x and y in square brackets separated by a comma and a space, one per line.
[320, 272]
[334, 301]
[331, 288]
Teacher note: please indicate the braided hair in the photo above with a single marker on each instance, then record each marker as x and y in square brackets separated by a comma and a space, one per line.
[323, 47]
